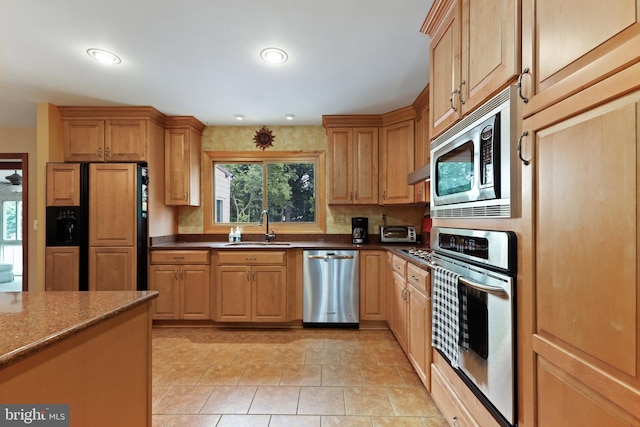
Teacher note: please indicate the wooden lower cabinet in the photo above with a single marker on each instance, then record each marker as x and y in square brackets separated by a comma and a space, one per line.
[585, 171]
[184, 286]
[400, 311]
[61, 268]
[373, 268]
[448, 402]
[251, 286]
[418, 296]
[112, 268]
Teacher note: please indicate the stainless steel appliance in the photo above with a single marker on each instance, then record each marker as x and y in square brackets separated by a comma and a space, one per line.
[473, 171]
[398, 234]
[330, 288]
[359, 230]
[484, 266]
[69, 225]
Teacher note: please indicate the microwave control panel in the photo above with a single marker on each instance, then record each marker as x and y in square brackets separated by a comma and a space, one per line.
[487, 156]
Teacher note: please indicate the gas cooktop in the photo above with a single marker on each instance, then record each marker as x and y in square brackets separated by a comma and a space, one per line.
[422, 256]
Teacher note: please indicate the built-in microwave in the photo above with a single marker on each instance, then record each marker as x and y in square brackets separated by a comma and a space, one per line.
[473, 170]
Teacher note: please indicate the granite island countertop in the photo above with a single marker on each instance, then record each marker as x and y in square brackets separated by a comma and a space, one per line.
[31, 321]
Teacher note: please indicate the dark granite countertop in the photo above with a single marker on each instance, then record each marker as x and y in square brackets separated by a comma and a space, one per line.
[31, 321]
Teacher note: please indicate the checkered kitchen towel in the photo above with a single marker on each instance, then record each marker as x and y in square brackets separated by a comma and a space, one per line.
[445, 327]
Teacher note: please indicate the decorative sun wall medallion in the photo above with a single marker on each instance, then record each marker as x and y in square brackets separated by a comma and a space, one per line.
[264, 138]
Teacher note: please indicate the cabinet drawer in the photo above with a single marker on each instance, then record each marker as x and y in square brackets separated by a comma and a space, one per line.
[419, 278]
[448, 403]
[399, 265]
[180, 257]
[251, 257]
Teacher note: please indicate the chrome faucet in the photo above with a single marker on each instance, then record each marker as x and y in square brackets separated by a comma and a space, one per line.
[267, 236]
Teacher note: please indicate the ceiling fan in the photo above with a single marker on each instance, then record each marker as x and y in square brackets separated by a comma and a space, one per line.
[14, 181]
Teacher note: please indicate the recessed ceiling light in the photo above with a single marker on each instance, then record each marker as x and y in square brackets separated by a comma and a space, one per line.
[104, 56]
[273, 55]
[239, 117]
[289, 116]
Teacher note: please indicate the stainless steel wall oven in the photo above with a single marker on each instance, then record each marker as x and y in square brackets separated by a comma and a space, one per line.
[473, 323]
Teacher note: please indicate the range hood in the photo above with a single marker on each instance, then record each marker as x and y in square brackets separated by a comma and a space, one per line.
[421, 174]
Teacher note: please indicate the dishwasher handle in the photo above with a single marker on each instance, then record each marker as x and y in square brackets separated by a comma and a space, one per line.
[330, 256]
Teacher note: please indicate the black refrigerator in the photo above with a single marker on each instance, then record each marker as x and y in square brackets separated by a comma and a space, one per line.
[70, 225]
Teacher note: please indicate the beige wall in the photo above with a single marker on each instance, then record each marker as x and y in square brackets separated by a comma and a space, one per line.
[23, 140]
[293, 138]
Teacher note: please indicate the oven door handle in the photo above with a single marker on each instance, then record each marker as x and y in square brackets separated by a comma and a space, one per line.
[484, 288]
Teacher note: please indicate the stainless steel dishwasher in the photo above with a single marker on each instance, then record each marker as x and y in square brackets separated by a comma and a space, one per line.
[331, 288]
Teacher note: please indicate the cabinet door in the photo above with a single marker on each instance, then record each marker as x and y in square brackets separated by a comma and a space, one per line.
[419, 319]
[62, 264]
[397, 161]
[400, 310]
[233, 292]
[125, 140]
[490, 49]
[390, 291]
[339, 165]
[83, 140]
[365, 172]
[63, 184]
[565, 52]
[444, 70]
[182, 167]
[112, 269]
[195, 292]
[269, 293]
[584, 172]
[373, 267]
[165, 280]
[112, 204]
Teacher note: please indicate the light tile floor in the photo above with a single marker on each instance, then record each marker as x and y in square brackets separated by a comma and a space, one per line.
[286, 377]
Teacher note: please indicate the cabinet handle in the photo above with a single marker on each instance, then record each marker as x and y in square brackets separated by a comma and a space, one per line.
[178, 257]
[462, 83]
[107, 152]
[414, 278]
[254, 276]
[175, 274]
[181, 274]
[185, 196]
[248, 277]
[454, 420]
[384, 195]
[99, 152]
[356, 196]
[524, 98]
[526, 162]
[250, 259]
[453, 107]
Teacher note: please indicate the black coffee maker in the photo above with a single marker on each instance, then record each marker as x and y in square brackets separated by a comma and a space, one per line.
[359, 227]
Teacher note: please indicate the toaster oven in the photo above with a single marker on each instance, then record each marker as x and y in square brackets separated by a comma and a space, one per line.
[398, 234]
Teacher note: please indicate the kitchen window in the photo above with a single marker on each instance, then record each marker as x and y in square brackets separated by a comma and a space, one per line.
[289, 185]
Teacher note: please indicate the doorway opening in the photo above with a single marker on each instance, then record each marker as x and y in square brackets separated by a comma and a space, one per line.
[13, 220]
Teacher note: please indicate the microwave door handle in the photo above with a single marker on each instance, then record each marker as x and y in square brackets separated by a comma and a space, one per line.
[483, 288]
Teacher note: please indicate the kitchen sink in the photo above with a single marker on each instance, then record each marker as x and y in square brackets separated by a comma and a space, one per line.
[258, 244]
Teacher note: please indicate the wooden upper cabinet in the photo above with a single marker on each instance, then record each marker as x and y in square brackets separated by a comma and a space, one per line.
[63, 184]
[182, 161]
[353, 165]
[397, 155]
[474, 53]
[107, 134]
[566, 52]
[112, 204]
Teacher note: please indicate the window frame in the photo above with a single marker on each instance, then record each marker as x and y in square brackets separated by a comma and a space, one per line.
[317, 157]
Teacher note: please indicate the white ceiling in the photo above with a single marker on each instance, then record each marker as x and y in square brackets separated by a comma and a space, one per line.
[201, 57]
